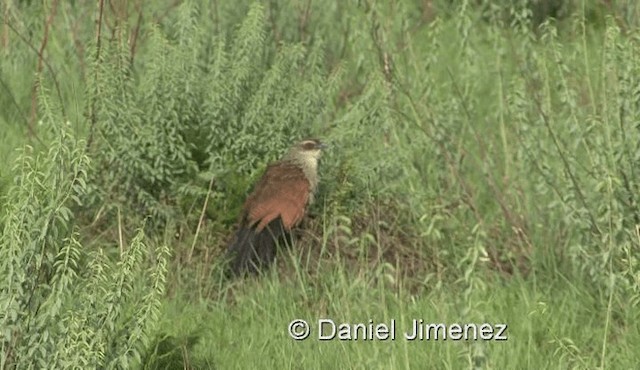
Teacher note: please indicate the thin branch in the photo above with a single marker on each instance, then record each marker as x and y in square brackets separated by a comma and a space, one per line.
[202, 214]
[509, 217]
[567, 166]
[450, 161]
[35, 89]
[136, 31]
[41, 59]
[93, 116]
[304, 20]
[120, 234]
[15, 103]
[4, 39]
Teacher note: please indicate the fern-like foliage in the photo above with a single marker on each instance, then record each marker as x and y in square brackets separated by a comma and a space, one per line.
[37, 250]
[201, 104]
[61, 306]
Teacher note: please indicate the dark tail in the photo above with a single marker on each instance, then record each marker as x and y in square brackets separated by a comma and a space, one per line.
[253, 252]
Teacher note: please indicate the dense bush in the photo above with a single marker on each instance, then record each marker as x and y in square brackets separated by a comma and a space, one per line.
[60, 304]
[470, 141]
[203, 107]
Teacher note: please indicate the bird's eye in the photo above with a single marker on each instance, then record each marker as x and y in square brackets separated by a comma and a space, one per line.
[309, 145]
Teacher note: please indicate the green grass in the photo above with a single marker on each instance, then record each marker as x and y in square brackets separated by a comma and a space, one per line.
[551, 324]
[482, 169]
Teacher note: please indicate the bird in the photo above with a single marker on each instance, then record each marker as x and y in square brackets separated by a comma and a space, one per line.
[276, 205]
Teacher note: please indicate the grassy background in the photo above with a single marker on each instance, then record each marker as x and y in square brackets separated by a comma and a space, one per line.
[483, 168]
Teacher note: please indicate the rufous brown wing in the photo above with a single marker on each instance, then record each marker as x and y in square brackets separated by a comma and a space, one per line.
[283, 191]
[276, 205]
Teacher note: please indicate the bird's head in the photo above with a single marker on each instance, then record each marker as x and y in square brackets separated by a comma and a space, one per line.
[308, 150]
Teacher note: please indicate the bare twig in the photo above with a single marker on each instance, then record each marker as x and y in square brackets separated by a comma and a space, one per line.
[15, 103]
[304, 20]
[630, 185]
[4, 39]
[216, 16]
[120, 236]
[93, 115]
[133, 40]
[273, 9]
[450, 161]
[567, 166]
[509, 217]
[202, 213]
[46, 63]
[377, 35]
[36, 84]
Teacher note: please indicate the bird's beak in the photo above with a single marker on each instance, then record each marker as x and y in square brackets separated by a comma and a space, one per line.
[323, 146]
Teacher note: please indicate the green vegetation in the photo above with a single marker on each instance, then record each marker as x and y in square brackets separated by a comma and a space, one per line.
[483, 168]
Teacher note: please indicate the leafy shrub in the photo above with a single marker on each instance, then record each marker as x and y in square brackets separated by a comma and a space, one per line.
[60, 304]
[200, 107]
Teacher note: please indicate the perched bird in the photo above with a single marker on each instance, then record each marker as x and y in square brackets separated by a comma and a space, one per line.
[277, 204]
